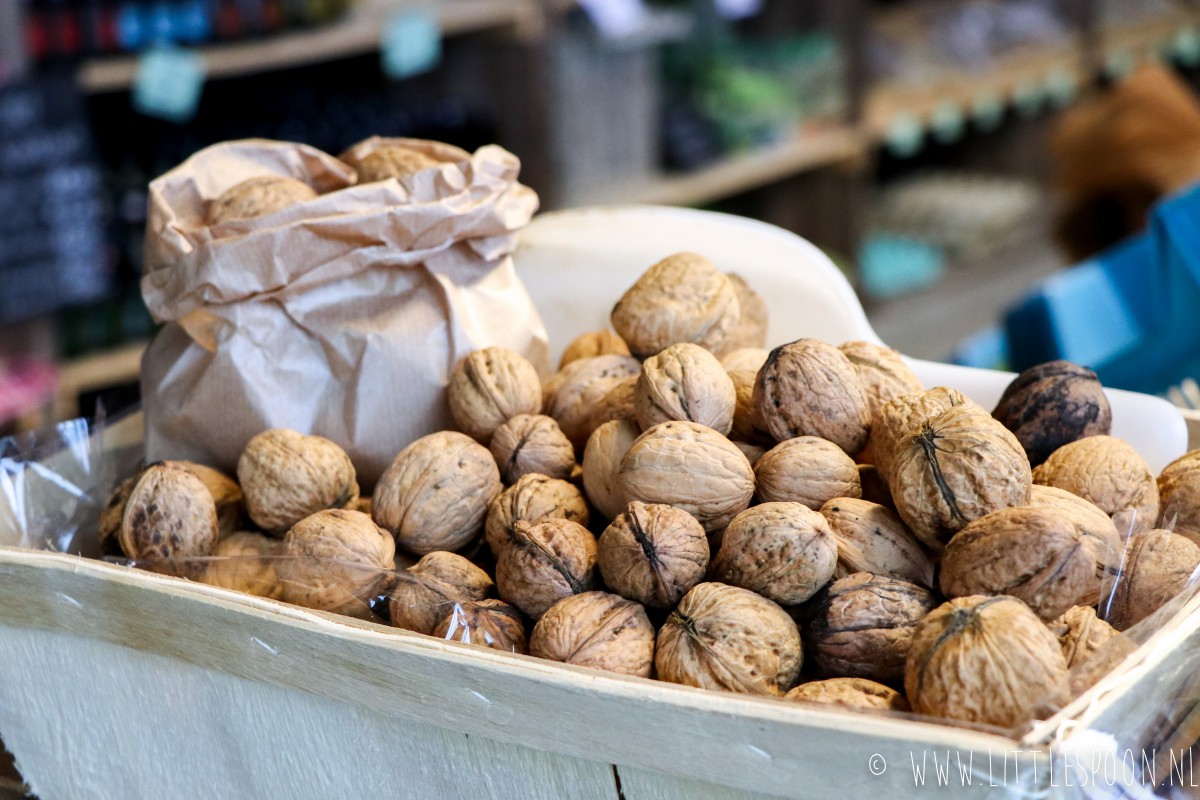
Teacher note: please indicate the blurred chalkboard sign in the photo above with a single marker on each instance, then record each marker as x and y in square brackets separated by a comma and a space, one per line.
[53, 207]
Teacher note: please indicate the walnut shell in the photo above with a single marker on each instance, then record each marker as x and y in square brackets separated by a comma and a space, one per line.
[619, 402]
[864, 624]
[287, 476]
[684, 382]
[883, 373]
[987, 660]
[533, 498]
[748, 424]
[784, 551]
[752, 452]
[231, 505]
[1099, 534]
[597, 630]
[607, 445]
[392, 161]
[573, 394]
[257, 197]
[1080, 633]
[809, 388]
[904, 414]
[592, 344]
[682, 298]
[485, 623]
[653, 554]
[1033, 554]
[808, 470]
[488, 388]
[1158, 565]
[169, 517]
[1179, 496]
[1052, 404]
[1106, 471]
[545, 562]
[111, 515]
[436, 492]
[957, 467]
[859, 694]
[426, 592]
[338, 560]
[745, 359]
[245, 562]
[753, 317]
[723, 637]
[872, 538]
[691, 467]
[532, 443]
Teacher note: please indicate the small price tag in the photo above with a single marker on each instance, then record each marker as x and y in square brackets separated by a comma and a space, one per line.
[738, 9]
[1119, 65]
[616, 19]
[411, 44]
[1061, 87]
[905, 136]
[1028, 96]
[1187, 46]
[987, 111]
[168, 84]
[947, 123]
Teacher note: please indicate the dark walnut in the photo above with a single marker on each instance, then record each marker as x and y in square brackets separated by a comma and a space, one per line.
[684, 382]
[864, 624]
[1179, 496]
[723, 637]
[956, 467]
[336, 560]
[1158, 565]
[653, 554]
[607, 445]
[784, 551]
[810, 388]
[532, 499]
[545, 562]
[1109, 472]
[485, 623]
[682, 298]
[882, 371]
[572, 395]
[532, 443]
[488, 388]
[872, 538]
[169, 518]
[986, 660]
[592, 344]
[287, 476]
[1052, 404]
[858, 694]
[426, 592]
[752, 452]
[753, 317]
[1081, 633]
[903, 415]
[257, 197]
[597, 630]
[808, 470]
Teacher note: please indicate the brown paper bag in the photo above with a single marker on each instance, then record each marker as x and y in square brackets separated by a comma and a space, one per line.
[341, 316]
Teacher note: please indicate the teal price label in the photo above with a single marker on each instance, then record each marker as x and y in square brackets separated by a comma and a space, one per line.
[987, 111]
[947, 123]
[411, 44]
[905, 137]
[168, 84]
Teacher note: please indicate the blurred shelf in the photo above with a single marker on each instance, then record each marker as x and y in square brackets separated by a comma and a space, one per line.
[356, 34]
[100, 370]
[745, 171]
[1142, 37]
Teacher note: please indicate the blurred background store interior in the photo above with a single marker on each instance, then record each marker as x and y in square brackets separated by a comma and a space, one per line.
[969, 164]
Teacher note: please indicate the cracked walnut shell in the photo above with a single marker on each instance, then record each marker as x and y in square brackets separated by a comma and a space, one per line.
[545, 562]
[532, 443]
[533, 498]
[808, 470]
[1051, 404]
[287, 476]
[684, 382]
[337, 560]
[872, 538]
[592, 344]
[488, 388]
[882, 371]
[169, 516]
[682, 298]
[859, 694]
[723, 637]
[597, 630]
[653, 554]
[245, 562]
[1158, 565]
[426, 592]
[1109, 472]
[784, 551]
[485, 623]
[257, 197]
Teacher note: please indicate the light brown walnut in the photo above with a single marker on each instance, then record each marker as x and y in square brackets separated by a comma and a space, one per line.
[883, 373]
[572, 395]
[784, 551]
[1158, 565]
[653, 554]
[287, 476]
[753, 316]
[245, 561]
[607, 445]
[485, 623]
[169, 518]
[488, 388]
[858, 694]
[111, 515]
[872, 538]
[1179, 496]
[1096, 529]
[545, 562]
[426, 592]
[392, 161]
[257, 197]
[747, 422]
[808, 470]
[619, 402]
[684, 382]
[598, 630]
[903, 415]
[533, 498]
[231, 505]
[747, 359]
[336, 560]
[1081, 633]
[592, 344]
[1109, 472]
[532, 443]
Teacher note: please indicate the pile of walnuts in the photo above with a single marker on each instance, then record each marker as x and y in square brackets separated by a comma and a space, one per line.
[677, 502]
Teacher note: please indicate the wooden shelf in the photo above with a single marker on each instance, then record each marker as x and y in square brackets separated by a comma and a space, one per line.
[94, 371]
[358, 33]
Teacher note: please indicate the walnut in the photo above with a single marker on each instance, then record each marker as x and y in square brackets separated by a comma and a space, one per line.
[684, 382]
[1051, 404]
[752, 452]
[864, 624]
[873, 538]
[784, 551]
[1158, 565]
[245, 562]
[435, 493]
[169, 517]
[1108, 472]
[426, 592]
[533, 498]
[691, 467]
[597, 630]
[859, 694]
[723, 637]
[1080, 633]
[573, 395]
[545, 562]
[258, 197]
[618, 403]
[590, 345]
[532, 443]
[111, 515]
[753, 317]
[337, 560]
[682, 298]
[392, 161]
[1034, 554]
[874, 488]
[1099, 534]
[986, 660]
[1179, 496]
[748, 425]
[485, 623]
[956, 467]
[488, 388]
[903, 415]
[745, 359]
[231, 506]
[653, 554]
[286, 476]
[809, 388]
[607, 445]
[882, 371]
[808, 470]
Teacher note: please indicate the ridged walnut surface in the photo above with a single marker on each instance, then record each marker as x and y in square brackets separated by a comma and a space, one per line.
[1157, 566]
[485, 623]
[597, 630]
[545, 562]
[653, 554]
[258, 197]
[337, 560]
[533, 498]
[784, 551]
[532, 443]
[488, 388]
[684, 382]
[286, 476]
[858, 694]
[1109, 472]
[426, 592]
[1052, 404]
[882, 371]
[808, 470]
[872, 538]
[169, 516]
